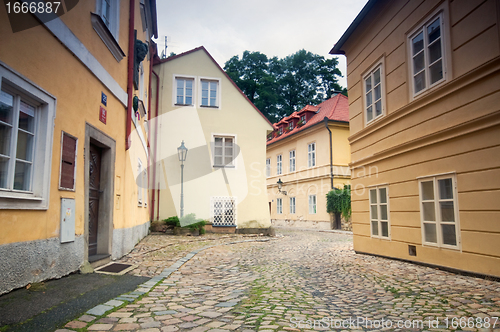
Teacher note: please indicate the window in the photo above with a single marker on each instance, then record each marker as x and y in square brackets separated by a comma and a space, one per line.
[374, 92]
[223, 212]
[379, 212]
[279, 205]
[303, 119]
[26, 131]
[278, 165]
[290, 126]
[106, 22]
[268, 167]
[139, 182]
[427, 55]
[110, 12]
[280, 130]
[209, 93]
[292, 161]
[439, 211]
[311, 155]
[184, 91]
[312, 204]
[68, 162]
[17, 128]
[292, 205]
[224, 151]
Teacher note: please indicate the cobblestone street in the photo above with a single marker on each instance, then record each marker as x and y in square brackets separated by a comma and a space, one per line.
[300, 280]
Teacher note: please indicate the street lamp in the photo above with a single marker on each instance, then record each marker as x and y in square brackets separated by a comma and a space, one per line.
[280, 185]
[182, 153]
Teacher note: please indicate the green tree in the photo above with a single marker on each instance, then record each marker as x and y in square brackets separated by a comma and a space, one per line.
[279, 87]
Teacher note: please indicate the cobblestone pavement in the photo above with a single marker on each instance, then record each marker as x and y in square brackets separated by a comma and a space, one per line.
[300, 281]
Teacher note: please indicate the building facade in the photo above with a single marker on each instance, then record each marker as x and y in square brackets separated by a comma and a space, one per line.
[225, 134]
[71, 141]
[309, 154]
[424, 96]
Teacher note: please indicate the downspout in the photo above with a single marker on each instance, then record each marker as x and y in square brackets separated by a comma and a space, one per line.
[325, 119]
[130, 81]
[152, 209]
[156, 148]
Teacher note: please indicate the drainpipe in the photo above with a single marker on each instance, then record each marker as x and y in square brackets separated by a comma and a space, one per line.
[325, 119]
[130, 81]
[151, 159]
[156, 147]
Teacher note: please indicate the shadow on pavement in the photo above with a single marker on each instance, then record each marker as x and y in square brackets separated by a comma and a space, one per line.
[48, 305]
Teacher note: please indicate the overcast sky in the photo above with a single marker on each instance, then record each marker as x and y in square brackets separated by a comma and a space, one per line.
[273, 27]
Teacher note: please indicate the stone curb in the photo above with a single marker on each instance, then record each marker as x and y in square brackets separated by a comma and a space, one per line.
[315, 230]
[146, 287]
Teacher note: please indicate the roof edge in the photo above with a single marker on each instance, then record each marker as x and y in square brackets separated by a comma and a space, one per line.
[337, 47]
[202, 48]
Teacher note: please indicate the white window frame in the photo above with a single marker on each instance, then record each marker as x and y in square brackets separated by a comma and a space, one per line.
[437, 210]
[371, 103]
[114, 19]
[442, 13]
[279, 164]
[38, 197]
[292, 161]
[311, 154]
[139, 182]
[217, 93]
[312, 204]
[290, 125]
[268, 167]
[233, 160]
[303, 119]
[193, 92]
[224, 201]
[279, 206]
[377, 208]
[292, 205]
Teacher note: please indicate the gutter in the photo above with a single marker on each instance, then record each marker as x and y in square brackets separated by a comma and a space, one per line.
[130, 81]
[337, 48]
[325, 119]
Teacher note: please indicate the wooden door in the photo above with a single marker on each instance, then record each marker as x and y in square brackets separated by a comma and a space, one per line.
[94, 194]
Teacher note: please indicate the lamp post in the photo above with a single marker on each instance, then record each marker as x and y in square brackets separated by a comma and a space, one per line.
[182, 153]
[280, 185]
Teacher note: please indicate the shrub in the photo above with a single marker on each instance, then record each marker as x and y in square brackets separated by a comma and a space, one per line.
[172, 221]
[339, 201]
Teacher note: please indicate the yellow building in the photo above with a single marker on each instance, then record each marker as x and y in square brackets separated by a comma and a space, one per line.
[72, 146]
[424, 96]
[308, 153]
[225, 134]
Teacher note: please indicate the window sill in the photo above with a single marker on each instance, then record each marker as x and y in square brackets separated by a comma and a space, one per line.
[206, 106]
[223, 166]
[106, 36]
[183, 105]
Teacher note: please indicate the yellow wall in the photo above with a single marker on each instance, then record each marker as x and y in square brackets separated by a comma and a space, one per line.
[305, 181]
[196, 125]
[40, 57]
[452, 128]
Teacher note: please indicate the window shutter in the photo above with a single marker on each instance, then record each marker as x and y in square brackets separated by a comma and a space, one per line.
[68, 161]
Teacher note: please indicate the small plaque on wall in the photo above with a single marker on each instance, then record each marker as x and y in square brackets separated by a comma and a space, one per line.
[104, 99]
[102, 115]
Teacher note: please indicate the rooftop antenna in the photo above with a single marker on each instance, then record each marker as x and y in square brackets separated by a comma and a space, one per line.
[165, 51]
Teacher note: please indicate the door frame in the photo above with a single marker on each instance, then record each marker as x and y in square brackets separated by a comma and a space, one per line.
[106, 201]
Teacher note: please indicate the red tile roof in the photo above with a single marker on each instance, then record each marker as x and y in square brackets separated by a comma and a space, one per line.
[335, 109]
